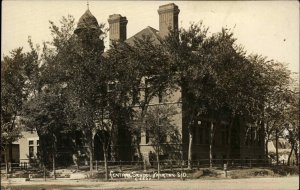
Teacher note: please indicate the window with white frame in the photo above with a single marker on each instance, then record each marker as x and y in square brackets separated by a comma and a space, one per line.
[30, 149]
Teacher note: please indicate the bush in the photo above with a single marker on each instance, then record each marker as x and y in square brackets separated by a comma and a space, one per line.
[197, 174]
[286, 170]
[206, 173]
[246, 173]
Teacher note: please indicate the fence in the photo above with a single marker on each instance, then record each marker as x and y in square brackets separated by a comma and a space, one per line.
[175, 164]
[19, 166]
[164, 164]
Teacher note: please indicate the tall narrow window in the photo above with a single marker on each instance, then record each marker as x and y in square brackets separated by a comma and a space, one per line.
[147, 136]
[223, 138]
[207, 135]
[38, 146]
[200, 137]
[160, 97]
[194, 135]
[31, 149]
[146, 89]
[224, 134]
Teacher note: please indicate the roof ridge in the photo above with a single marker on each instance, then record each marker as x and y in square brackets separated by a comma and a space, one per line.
[152, 28]
[154, 31]
[148, 31]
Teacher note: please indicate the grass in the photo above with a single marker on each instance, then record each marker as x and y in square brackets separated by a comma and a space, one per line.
[274, 171]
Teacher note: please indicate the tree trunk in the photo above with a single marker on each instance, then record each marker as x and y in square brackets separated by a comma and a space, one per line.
[114, 149]
[105, 161]
[188, 113]
[158, 164]
[290, 154]
[113, 152]
[142, 117]
[267, 150]
[138, 150]
[6, 161]
[91, 152]
[44, 168]
[10, 147]
[53, 165]
[91, 159]
[10, 143]
[296, 154]
[276, 146]
[190, 148]
[54, 156]
[91, 136]
[228, 153]
[267, 140]
[211, 144]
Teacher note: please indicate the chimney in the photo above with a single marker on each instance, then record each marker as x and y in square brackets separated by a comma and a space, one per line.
[168, 18]
[117, 28]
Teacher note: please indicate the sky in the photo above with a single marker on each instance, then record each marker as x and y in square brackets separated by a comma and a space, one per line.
[269, 28]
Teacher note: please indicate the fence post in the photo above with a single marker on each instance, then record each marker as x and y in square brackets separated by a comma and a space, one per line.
[96, 165]
[181, 171]
[225, 170]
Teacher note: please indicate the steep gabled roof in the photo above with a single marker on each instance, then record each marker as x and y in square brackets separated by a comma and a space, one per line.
[149, 31]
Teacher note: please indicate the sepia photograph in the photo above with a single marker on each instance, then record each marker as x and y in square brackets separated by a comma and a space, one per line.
[149, 95]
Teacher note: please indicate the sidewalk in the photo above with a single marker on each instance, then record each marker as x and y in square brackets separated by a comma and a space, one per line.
[278, 183]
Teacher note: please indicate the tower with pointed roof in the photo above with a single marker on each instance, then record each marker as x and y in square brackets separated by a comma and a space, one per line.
[89, 31]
